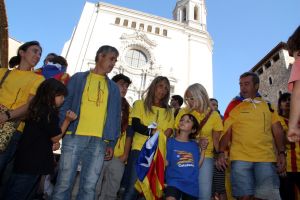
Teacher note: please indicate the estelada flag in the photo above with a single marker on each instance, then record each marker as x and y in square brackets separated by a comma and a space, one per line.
[150, 167]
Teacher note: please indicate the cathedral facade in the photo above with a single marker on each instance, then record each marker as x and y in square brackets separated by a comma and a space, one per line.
[149, 45]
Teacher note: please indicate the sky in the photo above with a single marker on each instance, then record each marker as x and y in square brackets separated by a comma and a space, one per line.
[243, 31]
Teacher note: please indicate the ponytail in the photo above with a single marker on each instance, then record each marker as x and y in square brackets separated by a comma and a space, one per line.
[14, 61]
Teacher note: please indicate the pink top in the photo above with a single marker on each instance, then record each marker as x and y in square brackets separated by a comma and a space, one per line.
[295, 74]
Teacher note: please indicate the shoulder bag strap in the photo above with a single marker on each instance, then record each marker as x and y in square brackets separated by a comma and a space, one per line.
[202, 123]
[4, 77]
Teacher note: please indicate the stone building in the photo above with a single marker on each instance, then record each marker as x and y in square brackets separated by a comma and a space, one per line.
[274, 70]
[149, 45]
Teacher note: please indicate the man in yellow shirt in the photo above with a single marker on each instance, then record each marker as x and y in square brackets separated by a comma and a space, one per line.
[253, 127]
[92, 136]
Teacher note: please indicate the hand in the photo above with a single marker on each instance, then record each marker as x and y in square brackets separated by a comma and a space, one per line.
[281, 164]
[70, 116]
[221, 162]
[168, 132]
[123, 158]
[109, 152]
[3, 118]
[293, 134]
[203, 143]
[55, 146]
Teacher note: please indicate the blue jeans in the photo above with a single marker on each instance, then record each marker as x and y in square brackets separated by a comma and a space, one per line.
[9, 153]
[90, 151]
[206, 179]
[254, 178]
[130, 192]
[20, 186]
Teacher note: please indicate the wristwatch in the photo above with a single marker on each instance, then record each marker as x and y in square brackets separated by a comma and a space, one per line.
[7, 113]
[282, 152]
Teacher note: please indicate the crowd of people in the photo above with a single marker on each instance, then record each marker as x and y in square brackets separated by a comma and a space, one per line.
[252, 152]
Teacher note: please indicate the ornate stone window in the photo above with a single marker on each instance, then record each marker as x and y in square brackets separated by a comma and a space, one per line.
[136, 58]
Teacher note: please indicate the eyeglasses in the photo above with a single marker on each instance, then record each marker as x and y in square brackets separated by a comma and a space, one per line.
[189, 99]
[98, 99]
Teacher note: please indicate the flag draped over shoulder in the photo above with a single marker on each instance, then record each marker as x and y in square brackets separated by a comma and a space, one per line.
[236, 101]
[150, 167]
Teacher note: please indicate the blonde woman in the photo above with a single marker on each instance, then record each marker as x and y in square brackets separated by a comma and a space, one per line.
[198, 104]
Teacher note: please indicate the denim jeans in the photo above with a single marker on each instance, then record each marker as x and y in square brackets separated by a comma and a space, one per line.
[254, 178]
[206, 179]
[9, 153]
[21, 186]
[130, 192]
[90, 151]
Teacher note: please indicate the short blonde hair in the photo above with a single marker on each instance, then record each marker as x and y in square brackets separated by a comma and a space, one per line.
[200, 96]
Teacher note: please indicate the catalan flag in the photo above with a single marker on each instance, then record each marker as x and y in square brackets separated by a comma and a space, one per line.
[150, 167]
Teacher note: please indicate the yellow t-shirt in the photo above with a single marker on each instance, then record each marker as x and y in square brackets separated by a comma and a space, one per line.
[252, 138]
[292, 150]
[159, 115]
[18, 86]
[119, 148]
[93, 106]
[214, 123]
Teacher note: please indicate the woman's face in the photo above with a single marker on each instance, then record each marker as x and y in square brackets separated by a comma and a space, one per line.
[31, 56]
[191, 101]
[285, 105]
[161, 90]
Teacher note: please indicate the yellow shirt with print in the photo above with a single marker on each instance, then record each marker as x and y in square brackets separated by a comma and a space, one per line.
[159, 115]
[214, 123]
[252, 138]
[93, 106]
[292, 151]
[17, 87]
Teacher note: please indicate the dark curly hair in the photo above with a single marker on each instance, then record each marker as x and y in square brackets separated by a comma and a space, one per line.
[44, 100]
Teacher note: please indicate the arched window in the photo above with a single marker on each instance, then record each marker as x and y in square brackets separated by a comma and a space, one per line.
[117, 21]
[184, 14]
[165, 32]
[270, 80]
[196, 14]
[133, 25]
[141, 27]
[125, 23]
[157, 30]
[149, 28]
[136, 58]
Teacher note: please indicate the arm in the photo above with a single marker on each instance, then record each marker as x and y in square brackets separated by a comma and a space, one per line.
[127, 148]
[16, 113]
[216, 139]
[203, 142]
[221, 163]
[139, 127]
[168, 132]
[278, 135]
[70, 116]
[294, 130]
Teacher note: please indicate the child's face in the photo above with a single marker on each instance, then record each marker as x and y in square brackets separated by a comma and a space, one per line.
[59, 100]
[186, 124]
